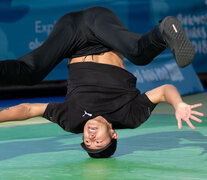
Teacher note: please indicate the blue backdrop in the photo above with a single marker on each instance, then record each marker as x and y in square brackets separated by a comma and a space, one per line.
[25, 24]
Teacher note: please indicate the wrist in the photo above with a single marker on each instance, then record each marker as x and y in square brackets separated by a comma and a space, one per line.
[179, 104]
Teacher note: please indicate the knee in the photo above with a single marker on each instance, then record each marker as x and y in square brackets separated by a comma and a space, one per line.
[27, 73]
[97, 11]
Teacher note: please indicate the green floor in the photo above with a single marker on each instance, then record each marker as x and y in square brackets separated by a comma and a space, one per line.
[157, 150]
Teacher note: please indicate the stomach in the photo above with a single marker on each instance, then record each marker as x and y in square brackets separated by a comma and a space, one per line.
[111, 58]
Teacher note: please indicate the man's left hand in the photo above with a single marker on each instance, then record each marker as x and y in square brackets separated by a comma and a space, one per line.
[184, 112]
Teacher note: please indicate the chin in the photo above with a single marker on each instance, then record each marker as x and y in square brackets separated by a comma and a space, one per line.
[93, 123]
[98, 119]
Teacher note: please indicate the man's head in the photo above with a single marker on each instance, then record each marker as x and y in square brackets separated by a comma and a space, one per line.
[99, 139]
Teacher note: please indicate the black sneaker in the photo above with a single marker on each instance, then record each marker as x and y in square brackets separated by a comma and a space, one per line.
[176, 40]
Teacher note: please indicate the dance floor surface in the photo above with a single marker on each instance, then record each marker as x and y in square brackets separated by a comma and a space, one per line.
[37, 149]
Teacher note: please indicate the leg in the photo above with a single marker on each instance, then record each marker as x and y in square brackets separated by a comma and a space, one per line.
[109, 30]
[141, 49]
[33, 67]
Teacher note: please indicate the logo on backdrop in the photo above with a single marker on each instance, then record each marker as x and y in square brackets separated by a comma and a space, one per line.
[168, 71]
[40, 27]
[9, 13]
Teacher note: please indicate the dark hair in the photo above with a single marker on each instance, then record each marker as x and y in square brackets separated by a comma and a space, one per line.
[105, 152]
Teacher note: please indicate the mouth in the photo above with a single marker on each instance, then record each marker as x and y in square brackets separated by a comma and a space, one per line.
[92, 129]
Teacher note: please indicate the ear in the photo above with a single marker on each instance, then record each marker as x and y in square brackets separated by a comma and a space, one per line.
[114, 134]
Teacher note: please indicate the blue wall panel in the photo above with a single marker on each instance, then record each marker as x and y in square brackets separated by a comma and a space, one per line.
[25, 24]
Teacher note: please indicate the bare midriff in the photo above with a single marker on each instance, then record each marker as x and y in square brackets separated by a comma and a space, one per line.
[111, 58]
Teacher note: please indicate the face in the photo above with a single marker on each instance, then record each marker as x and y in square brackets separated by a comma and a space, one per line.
[98, 133]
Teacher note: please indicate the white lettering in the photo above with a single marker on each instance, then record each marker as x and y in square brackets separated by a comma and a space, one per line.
[149, 75]
[174, 72]
[168, 72]
[195, 29]
[35, 44]
[162, 73]
[200, 46]
[193, 20]
[43, 28]
[196, 32]
[40, 28]
[138, 76]
[37, 26]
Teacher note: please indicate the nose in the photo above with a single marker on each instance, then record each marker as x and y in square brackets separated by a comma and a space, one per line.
[92, 136]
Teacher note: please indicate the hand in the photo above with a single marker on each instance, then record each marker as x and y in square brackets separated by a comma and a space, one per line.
[184, 112]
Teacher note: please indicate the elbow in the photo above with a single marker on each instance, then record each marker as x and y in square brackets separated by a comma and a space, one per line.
[25, 110]
[166, 89]
[169, 86]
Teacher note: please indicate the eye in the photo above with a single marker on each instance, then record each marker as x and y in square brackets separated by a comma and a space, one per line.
[98, 142]
[86, 141]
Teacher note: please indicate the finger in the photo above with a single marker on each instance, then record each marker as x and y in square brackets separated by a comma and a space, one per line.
[197, 113]
[196, 119]
[189, 124]
[196, 105]
[179, 123]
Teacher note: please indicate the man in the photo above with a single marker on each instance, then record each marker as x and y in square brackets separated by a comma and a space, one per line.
[102, 94]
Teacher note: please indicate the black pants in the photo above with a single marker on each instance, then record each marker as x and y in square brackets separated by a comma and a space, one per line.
[71, 34]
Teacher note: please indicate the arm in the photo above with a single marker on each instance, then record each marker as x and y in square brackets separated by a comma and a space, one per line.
[168, 93]
[22, 112]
